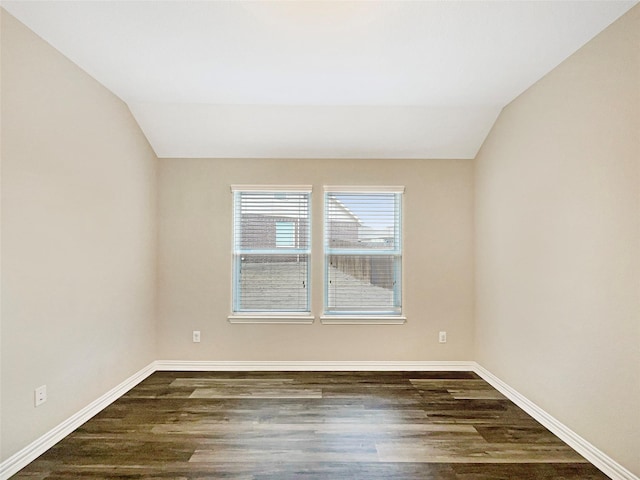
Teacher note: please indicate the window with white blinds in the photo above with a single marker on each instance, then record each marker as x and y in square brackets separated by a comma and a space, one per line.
[363, 251]
[271, 248]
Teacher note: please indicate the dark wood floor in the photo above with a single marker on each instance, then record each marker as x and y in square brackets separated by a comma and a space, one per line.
[302, 425]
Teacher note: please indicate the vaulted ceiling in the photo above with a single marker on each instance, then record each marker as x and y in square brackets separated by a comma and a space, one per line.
[317, 79]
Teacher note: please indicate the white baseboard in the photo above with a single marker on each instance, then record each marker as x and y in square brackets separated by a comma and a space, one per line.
[21, 459]
[598, 458]
[203, 366]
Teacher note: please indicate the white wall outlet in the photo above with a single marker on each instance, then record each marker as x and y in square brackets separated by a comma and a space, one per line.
[196, 336]
[41, 395]
[442, 337]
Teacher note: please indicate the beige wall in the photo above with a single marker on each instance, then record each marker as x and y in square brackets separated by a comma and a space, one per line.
[78, 238]
[558, 243]
[195, 206]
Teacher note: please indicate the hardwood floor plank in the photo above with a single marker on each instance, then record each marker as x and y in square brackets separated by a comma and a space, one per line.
[527, 471]
[256, 392]
[287, 454]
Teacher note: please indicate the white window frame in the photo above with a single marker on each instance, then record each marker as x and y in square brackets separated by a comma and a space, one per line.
[373, 318]
[269, 316]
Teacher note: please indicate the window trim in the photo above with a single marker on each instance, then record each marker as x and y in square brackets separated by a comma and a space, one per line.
[270, 317]
[272, 188]
[340, 319]
[274, 318]
[363, 318]
[363, 189]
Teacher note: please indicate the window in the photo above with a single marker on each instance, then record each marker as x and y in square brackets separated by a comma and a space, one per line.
[363, 251]
[271, 247]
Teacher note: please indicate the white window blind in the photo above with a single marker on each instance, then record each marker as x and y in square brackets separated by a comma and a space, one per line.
[271, 247]
[363, 252]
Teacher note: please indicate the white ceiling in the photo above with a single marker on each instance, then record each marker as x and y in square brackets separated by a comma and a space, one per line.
[317, 79]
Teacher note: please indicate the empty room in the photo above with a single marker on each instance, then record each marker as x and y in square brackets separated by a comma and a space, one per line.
[264, 240]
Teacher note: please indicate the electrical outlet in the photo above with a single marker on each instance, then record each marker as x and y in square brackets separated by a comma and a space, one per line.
[41, 395]
[442, 337]
[196, 336]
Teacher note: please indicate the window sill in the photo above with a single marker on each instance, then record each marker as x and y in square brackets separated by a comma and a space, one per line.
[284, 318]
[362, 320]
